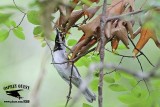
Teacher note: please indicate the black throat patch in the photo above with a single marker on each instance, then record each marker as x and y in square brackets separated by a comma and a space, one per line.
[58, 45]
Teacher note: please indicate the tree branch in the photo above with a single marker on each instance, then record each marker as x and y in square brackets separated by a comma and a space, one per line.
[102, 53]
[70, 86]
[124, 15]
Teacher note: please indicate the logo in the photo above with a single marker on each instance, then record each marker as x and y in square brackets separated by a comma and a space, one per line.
[14, 93]
[14, 90]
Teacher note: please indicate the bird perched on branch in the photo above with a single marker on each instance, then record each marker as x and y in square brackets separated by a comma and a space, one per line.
[66, 70]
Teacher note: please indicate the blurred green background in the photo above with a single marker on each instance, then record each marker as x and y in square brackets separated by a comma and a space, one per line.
[20, 63]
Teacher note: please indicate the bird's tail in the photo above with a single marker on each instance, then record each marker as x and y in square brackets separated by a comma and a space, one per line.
[90, 96]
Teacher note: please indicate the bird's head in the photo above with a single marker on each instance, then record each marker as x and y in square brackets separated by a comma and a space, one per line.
[59, 41]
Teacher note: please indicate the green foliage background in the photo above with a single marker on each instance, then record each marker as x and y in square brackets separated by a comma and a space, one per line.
[20, 62]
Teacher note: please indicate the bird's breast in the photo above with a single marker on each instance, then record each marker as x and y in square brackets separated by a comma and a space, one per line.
[59, 56]
[60, 60]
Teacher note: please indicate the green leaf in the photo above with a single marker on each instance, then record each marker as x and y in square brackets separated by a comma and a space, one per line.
[96, 74]
[19, 33]
[137, 95]
[122, 46]
[117, 87]
[130, 78]
[157, 105]
[71, 42]
[52, 37]
[127, 99]
[139, 92]
[20, 28]
[78, 7]
[10, 7]
[13, 23]
[37, 30]
[87, 2]
[3, 34]
[84, 61]
[156, 83]
[10, 23]
[109, 79]
[95, 58]
[43, 44]
[117, 75]
[133, 82]
[4, 17]
[127, 76]
[2, 104]
[33, 17]
[86, 105]
[94, 84]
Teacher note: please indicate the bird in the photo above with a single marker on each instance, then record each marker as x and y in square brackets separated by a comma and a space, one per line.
[64, 69]
[14, 93]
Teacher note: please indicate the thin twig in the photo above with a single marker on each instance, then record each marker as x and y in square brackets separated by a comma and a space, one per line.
[115, 69]
[128, 56]
[137, 83]
[122, 69]
[143, 4]
[153, 71]
[50, 50]
[124, 15]
[123, 56]
[70, 86]
[24, 14]
[142, 72]
[75, 59]
[18, 7]
[18, 23]
[102, 54]
[140, 51]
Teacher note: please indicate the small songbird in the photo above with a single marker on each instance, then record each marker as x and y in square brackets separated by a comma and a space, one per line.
[64, 69]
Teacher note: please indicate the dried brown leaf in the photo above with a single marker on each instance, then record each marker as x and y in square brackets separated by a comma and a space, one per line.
[118, 6]
[108, 28]
[90, 12]
[129, 28]
[90, 27]
[87, 46]
[76, 49]
[79, 46]
[121, 33]
[136, 33]
[75, 16]
[114, 43]
[73, 5]
[146, 34]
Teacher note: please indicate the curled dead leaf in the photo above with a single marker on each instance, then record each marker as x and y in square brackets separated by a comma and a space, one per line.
[114, 43]
[90, 27]
[79, 46]
[129, 28]
[121, 33]
[146, 34]
[88, 46]
[75, 16]
[73, 5]
[90, 12]
[108, 28]
[117, 7]
[136, 33]
[76, 49]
